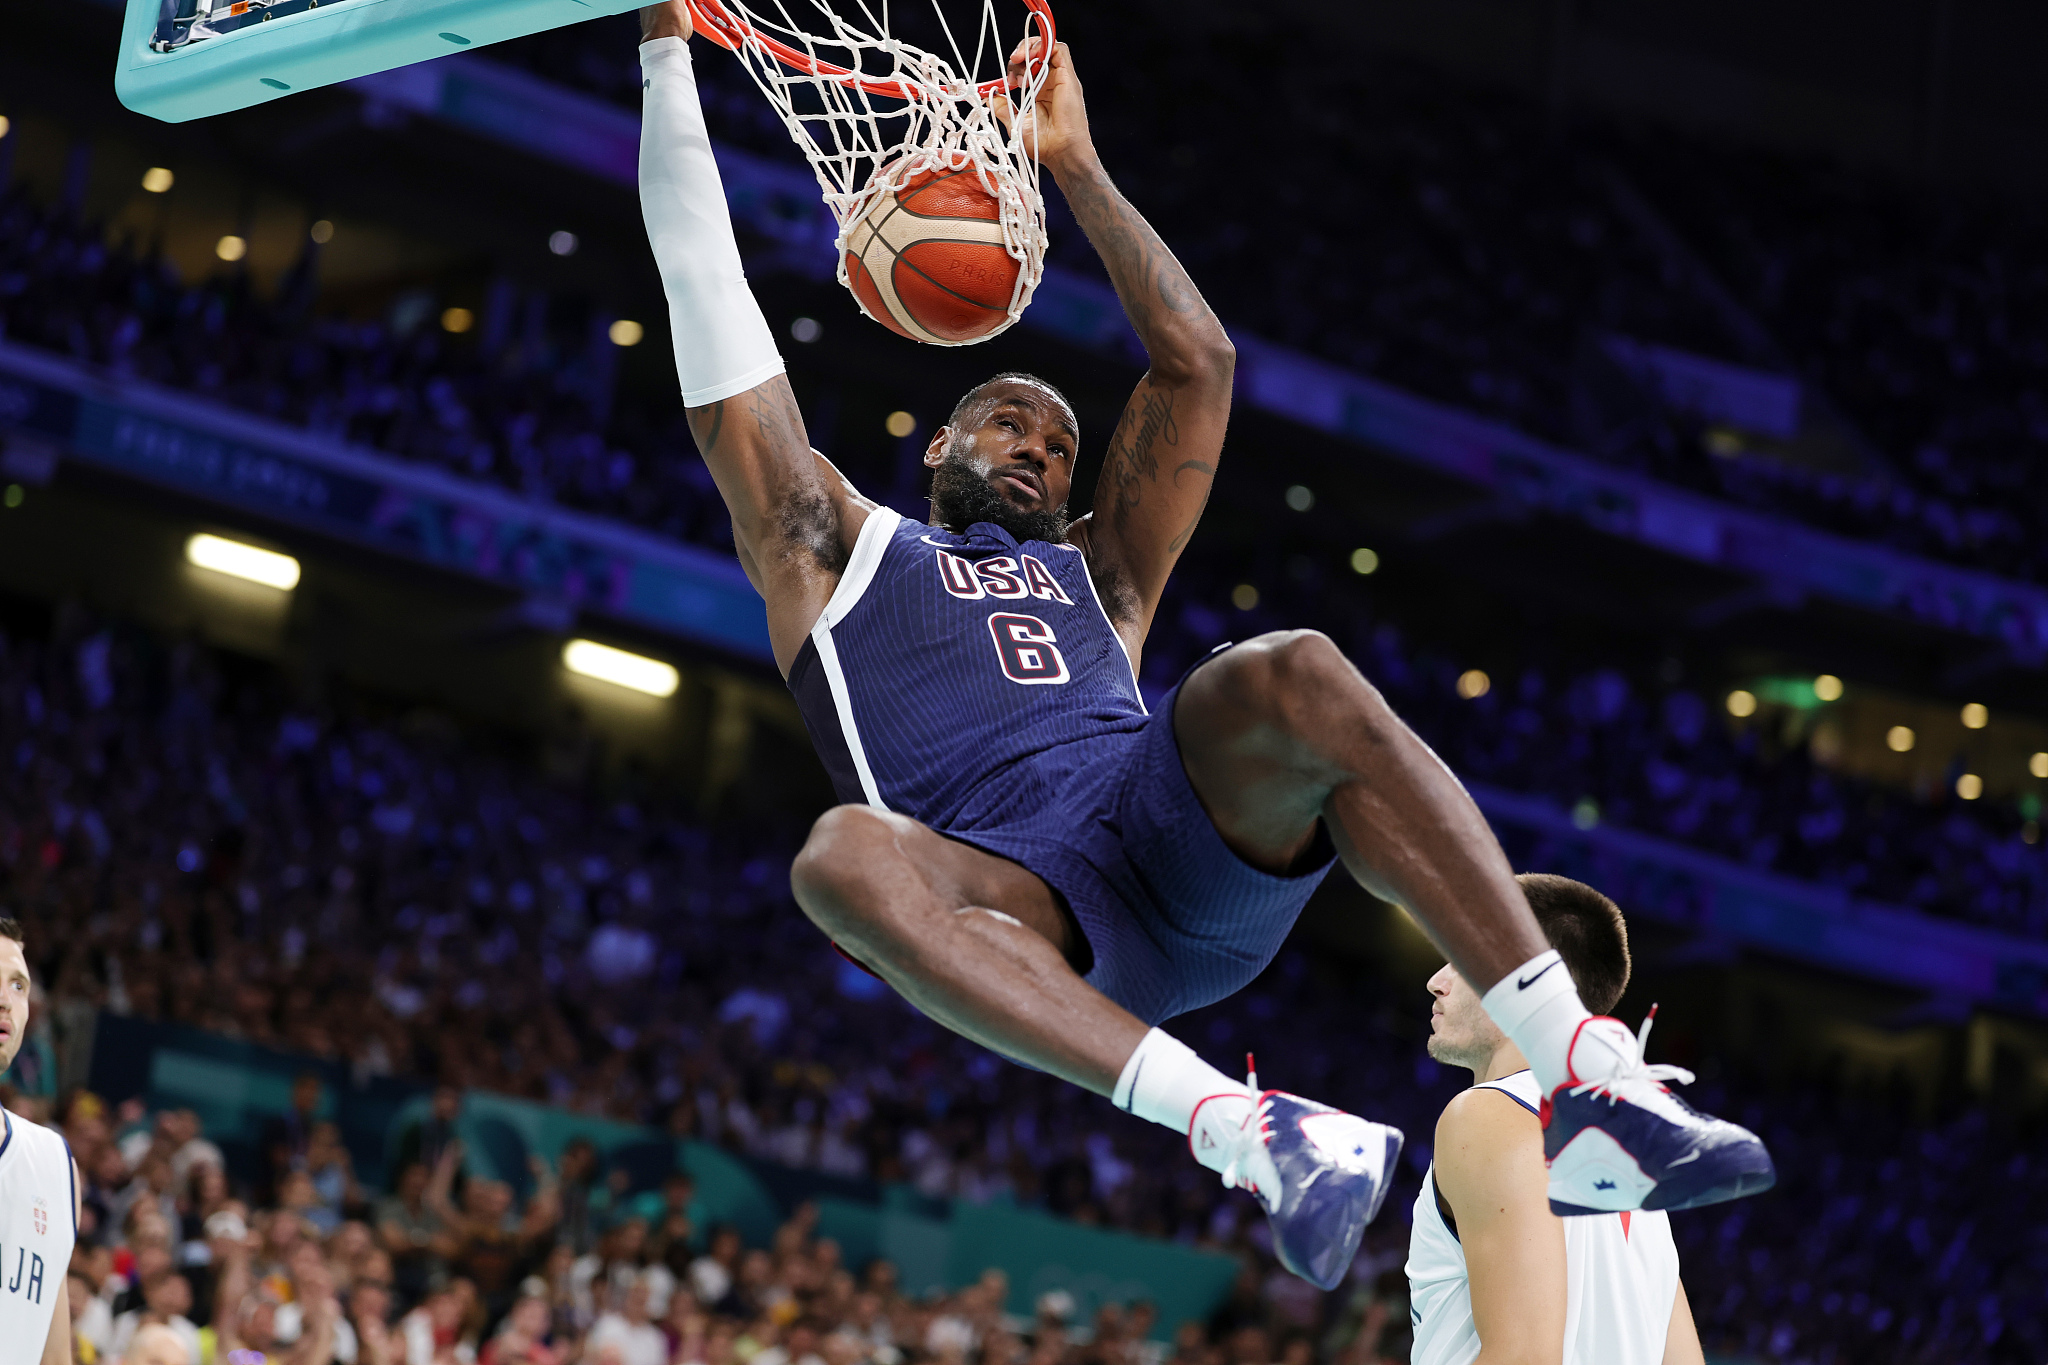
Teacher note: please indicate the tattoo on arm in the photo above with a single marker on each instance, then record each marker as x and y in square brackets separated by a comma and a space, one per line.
[766, 430]
[1147, 276]
[1132, 458]
[706, 425]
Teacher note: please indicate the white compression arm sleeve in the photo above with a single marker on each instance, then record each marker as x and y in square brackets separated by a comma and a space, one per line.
[723, 345]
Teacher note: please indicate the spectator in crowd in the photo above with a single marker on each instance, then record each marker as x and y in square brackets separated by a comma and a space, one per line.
[491, 1245]
[156, 1344]
[629, 1331]
[166, 1300]
[410, 1232]
[577, 1189]
[424, 1141]
[288, 1137]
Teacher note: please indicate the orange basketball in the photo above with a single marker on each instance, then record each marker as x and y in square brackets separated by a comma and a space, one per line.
[928, 262]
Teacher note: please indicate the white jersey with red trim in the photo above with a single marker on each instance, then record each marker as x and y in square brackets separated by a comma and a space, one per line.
[38, 1224]
[1621, 1277]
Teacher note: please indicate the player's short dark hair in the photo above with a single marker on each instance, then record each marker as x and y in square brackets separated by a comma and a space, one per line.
[10, 927]
[975, 394]
[1587, 930]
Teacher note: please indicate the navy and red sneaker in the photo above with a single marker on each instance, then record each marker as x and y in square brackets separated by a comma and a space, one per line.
[1321, 1175]
[1616, 1138]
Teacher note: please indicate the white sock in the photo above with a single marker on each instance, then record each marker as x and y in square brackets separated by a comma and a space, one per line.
[1538, 1007]
[1165, 1081]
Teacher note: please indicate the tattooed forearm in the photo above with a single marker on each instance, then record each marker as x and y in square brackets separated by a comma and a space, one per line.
[1161, 301]
[1132, 459]
[757, 449]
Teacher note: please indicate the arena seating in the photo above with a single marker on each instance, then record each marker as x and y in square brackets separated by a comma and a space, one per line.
[188, 842]
[1451, 241]
[481, 413]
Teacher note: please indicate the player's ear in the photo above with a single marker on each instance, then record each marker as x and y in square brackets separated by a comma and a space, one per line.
[935, 453]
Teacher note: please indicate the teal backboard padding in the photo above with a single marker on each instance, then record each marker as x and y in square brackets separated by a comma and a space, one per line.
[338, 41]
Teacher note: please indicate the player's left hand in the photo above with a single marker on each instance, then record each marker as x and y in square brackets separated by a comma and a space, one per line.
[1056, 128]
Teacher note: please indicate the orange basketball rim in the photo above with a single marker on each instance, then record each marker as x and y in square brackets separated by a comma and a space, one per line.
[729, 31]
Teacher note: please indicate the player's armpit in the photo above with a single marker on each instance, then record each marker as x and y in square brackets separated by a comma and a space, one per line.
[1682, 1339]
[1489, 1168]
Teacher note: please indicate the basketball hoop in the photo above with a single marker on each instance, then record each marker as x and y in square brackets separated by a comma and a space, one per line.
[872, 112]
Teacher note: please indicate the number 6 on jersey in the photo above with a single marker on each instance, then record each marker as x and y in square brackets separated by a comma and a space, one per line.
[1027, 647]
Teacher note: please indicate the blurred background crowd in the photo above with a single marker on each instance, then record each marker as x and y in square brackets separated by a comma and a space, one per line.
[188, 843]
[1447, 240]
[405, 895]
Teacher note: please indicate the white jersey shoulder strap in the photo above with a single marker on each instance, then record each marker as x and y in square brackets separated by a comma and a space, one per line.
[1520, 1087]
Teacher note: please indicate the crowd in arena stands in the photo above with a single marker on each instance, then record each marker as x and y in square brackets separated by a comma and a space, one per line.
[1445, 238]
[524, 404]
[1925, 315]
[185, 840]
[1648, 757]
[1650, 754]
[1458, 242]
[194, 1273]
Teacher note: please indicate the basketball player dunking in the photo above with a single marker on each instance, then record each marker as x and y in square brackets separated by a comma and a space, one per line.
[1026, 853]
[38, 1200]
[1492, 1272]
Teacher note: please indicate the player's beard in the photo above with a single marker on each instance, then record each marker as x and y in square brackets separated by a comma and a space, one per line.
[961, 496]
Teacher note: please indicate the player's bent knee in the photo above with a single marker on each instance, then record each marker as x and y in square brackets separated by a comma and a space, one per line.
[838, 858]
[1300, 682]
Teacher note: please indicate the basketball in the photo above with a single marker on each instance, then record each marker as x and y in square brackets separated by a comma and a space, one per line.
[927, 261]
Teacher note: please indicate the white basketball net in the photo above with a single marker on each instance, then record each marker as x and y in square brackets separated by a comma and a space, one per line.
[863, 145]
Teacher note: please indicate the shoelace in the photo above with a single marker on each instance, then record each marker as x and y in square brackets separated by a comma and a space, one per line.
[1638, 1070]
[1255, 1127]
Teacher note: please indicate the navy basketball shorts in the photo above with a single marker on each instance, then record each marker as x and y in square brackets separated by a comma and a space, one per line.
[1174, 919]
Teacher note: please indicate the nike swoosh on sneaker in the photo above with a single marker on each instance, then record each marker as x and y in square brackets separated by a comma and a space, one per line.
[1524, 983]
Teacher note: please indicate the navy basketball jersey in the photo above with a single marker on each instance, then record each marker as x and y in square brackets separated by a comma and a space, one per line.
[944, 660]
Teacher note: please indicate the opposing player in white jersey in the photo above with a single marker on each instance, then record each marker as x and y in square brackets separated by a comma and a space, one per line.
[38, 1200]
[1493, 1274]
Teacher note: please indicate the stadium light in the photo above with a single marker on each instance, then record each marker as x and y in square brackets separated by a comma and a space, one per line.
[267, 567]
[620, 668]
